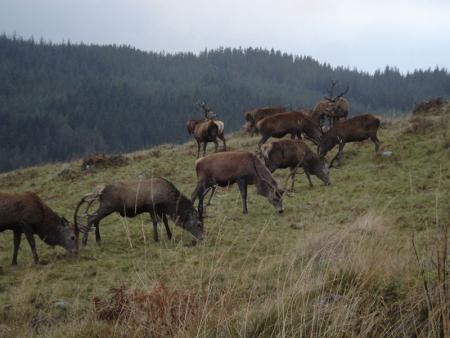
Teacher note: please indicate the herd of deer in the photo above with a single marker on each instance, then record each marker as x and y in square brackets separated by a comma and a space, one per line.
[26, 213]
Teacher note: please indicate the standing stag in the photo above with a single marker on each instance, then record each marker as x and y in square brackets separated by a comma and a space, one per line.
[207, 130]
[293, 123]
[252, 117]
[26, 213]
[241, 167]
[356, 129]
[204, 132]
[293, 154]
[157, 196]
[332, 107]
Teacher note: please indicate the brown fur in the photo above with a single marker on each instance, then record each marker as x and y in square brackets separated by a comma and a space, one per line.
[157, 196]
[293, 123]
[293, 154]
[333, 109]
[205, 131]
[241, 167]
[254, 116]
[356, 129]
[26, 213]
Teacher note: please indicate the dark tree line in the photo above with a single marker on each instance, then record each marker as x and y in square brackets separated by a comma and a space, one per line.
[60, 101]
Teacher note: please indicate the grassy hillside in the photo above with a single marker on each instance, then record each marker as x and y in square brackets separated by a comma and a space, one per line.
[338, 262]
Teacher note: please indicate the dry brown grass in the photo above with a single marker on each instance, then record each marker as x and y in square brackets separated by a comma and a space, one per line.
[162, 312]
[338, 262]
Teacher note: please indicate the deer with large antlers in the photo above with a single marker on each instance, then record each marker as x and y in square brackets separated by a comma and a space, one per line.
[332, 107]
[207, 130]
[156, 196]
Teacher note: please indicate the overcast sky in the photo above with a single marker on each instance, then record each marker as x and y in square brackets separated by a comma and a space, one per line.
[358, 33]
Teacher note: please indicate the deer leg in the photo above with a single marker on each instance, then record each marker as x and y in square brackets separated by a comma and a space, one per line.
[224, 142]
[213, 190]
[30, 239]
[166, 224]
[17, 238]
[198, 149]
[94, 220]
[243, 190]
[376, 141]
[216, 145]
[292, 175]
[338, 155]
[199, 193]
[155, 227]
[201, 196]
[309, 178]
[263, 140]
[98, 238]
[204, 148]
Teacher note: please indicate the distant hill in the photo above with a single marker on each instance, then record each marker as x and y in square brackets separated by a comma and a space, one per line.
[60, 101]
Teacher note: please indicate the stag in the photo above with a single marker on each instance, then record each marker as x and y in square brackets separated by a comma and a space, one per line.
[157, 196]
[332, 107]
[204, 132]
[209, 116]
[241, 167]
[356, 129]
[26, 213]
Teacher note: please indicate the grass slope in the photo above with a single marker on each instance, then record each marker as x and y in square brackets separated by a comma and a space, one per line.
[337, 262]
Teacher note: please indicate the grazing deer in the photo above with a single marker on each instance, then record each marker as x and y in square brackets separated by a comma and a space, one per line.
[356, 129]
[157, 196]
[241, 167]
[294, 123]
[26, 213]
[294, 154]
[252, 117]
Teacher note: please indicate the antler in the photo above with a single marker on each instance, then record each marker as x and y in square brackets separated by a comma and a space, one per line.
[88, 199]
[204, 106]
[344, 92]
[330, 90]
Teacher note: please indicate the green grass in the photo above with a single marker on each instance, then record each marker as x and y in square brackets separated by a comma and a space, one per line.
[254, 275]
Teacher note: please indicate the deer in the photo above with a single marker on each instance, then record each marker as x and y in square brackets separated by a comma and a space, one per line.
[252, 117]
[241, 167]
[332, 107]
[157, 196]
[294, 123]
[356, 129]
[204, 132]
[294, 154]
[25, 213]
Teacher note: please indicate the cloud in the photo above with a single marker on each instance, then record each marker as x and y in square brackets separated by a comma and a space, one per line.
[366, 34]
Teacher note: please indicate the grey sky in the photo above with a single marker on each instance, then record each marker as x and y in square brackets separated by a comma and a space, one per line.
[363, 34]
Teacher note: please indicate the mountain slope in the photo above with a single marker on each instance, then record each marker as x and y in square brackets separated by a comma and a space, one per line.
[59, 102]
[338, 262]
